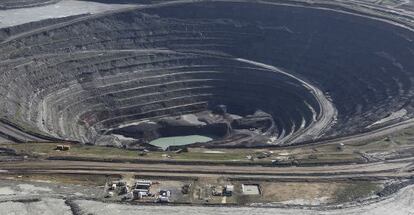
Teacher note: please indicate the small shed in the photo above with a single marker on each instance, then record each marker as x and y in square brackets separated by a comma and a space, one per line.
[228, 190]
[164, 196]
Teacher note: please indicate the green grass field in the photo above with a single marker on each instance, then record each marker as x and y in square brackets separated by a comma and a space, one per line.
[399, 141]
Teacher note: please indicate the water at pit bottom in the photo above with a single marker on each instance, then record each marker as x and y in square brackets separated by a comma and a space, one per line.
[164, 142]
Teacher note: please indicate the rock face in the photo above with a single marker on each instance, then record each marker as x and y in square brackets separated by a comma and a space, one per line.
[82, 79]
[259, 120]
[209, 125]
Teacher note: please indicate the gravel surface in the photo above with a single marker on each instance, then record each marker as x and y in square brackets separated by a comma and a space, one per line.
[62, 9]
[43, 207]
[40, 198]
[400, 204]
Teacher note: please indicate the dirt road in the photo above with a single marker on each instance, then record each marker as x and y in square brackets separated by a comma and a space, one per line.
[399, 168]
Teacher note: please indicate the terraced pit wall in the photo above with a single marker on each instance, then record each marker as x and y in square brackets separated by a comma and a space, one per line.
[79, 80]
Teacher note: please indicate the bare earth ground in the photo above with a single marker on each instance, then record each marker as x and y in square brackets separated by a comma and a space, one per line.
[402, 203]
[62, 9]
[44, 198]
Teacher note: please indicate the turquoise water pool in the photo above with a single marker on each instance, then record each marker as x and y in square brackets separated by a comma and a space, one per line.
[164, 142]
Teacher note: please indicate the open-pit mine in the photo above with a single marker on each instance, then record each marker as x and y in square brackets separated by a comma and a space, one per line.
[273, 106]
